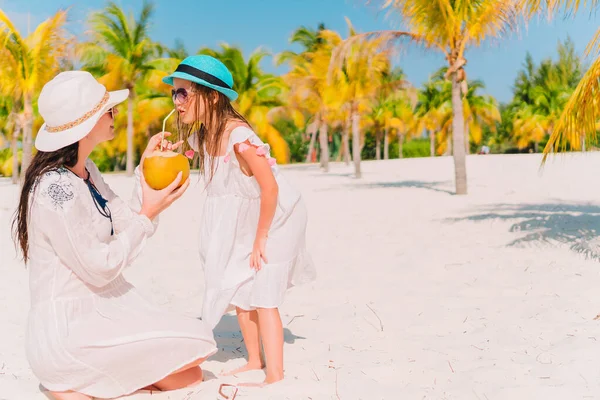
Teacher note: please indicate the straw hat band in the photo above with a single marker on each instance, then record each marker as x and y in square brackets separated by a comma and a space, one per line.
[81, 119]
[188, 69]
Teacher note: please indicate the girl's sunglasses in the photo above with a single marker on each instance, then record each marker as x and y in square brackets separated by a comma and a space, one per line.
[180, 95]
[111, 111]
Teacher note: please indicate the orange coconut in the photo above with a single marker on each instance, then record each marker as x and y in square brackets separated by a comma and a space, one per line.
[161, 168]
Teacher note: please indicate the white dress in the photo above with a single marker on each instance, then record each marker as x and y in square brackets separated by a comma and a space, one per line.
[227, 233]
[88, 329]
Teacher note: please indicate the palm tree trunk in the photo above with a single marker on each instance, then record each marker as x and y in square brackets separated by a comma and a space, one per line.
[324, 144]
[15, 151]
[129, 163]
[536, 147]
[346, 141]
[378, 145]
[313, 138]
[27, 140]
[458, 135]
[400, 145]
[386, 145]
[583, 143]
[356, 143]
[431, 144]
[467, 147]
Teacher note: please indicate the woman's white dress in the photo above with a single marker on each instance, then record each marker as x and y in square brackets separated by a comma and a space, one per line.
[228, 230]
[88, 329]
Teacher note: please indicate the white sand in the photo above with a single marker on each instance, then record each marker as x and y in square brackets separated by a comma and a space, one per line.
[421, 294]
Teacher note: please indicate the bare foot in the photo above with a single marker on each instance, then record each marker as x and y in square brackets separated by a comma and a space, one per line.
[250, 366]
[267, 381]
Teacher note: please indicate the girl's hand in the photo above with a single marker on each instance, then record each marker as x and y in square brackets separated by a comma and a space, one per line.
[154, 143]
[258, 252]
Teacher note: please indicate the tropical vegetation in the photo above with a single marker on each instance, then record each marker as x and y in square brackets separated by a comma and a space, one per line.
[342, 98]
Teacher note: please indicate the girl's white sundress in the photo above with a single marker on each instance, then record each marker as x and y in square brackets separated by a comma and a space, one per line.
[88, 329]
[227, 233]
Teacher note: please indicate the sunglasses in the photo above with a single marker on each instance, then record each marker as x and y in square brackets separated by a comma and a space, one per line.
[180, 95]
[111, 111]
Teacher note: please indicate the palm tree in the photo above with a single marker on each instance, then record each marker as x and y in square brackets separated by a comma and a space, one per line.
[541, 93]
[178, 51]
[581, 115]
[310, 92]
[356, 77]
[310, 39]
[259, 93]
[432, 106]
[26, 64]
[404, 119]
[120, 52]
[385, 107]
[480, 111]
[9, 119]
[451, 27]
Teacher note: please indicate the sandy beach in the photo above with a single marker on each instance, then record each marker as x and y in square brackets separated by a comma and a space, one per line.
[420, 294]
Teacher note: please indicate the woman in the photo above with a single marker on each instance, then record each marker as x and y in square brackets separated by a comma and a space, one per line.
[89, 332]
[252, 233]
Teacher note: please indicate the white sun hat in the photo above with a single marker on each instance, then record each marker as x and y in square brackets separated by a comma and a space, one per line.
[71, 104]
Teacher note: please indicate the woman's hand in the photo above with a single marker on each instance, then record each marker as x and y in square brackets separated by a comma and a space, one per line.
[258, 252]
[156, 201]
[155, 141]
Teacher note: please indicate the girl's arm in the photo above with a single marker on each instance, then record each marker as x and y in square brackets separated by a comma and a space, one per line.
[269, 191]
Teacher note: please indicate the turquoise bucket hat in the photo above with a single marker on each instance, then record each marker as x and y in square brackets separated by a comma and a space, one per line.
[206, 71]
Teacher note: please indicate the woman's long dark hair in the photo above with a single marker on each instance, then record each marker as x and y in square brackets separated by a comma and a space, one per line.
[42, 162]
[218, 112]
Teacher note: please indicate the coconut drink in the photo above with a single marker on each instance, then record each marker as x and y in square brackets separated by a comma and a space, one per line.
[161, 168]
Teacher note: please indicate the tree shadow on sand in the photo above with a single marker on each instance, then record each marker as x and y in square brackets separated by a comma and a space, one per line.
[432, 186]
[573, 225]
[230, 342]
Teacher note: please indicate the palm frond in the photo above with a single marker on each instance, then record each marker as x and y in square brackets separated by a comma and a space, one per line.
[550, 7]
[50, 43]
[580, 116]
[143, 22]
[386, 38]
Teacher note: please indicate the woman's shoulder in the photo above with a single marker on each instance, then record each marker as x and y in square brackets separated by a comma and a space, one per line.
[55, 189]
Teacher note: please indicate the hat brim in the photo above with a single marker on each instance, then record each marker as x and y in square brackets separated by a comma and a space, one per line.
[52, 141]
[230, 93]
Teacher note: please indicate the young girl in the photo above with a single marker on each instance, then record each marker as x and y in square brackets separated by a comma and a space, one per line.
[252, 235]
[89, 333]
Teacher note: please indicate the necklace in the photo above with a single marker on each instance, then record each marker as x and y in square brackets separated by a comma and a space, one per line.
[99, 201]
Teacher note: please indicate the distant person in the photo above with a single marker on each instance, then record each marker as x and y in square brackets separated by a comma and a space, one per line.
[89, 333]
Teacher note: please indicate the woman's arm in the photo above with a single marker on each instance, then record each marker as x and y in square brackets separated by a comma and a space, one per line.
[73, 237]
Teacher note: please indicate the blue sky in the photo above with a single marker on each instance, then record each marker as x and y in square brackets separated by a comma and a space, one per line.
[269, 23]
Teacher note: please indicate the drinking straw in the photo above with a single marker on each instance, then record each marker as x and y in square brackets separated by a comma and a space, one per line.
[163, 129]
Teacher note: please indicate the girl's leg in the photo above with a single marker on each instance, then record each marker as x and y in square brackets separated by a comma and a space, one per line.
[248, 321]
[271, 330]
[69, 396]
